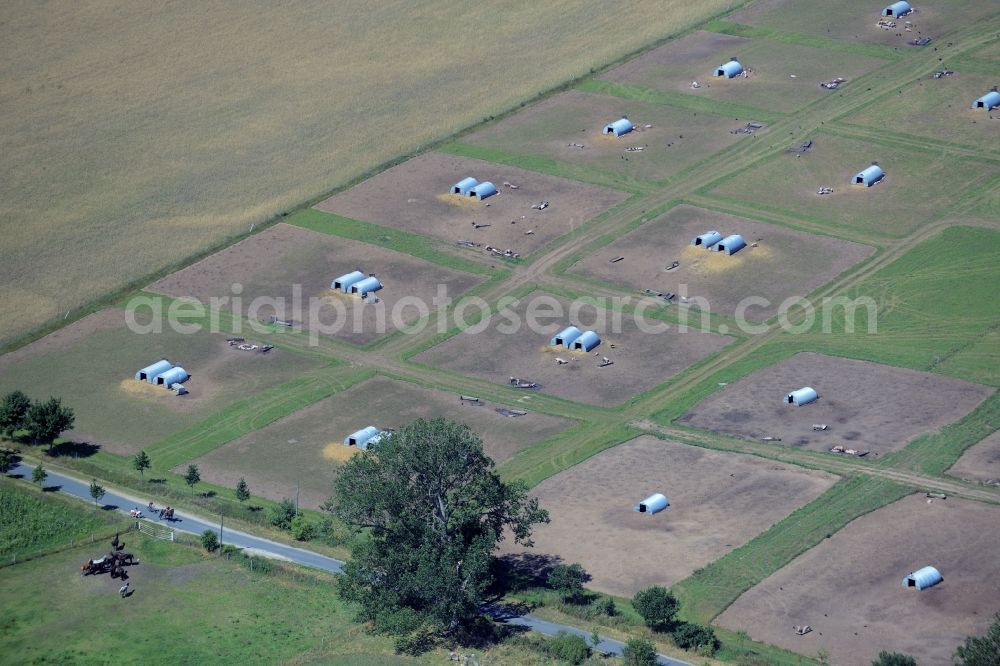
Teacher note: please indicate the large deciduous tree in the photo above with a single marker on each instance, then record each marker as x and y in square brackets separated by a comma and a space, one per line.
[13, 412]
[47, 420]
[435, 510]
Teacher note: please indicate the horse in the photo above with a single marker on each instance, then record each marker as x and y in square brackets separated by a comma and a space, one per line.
[94, 566]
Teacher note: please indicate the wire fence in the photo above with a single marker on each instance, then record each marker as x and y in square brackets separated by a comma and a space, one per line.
[10, 558]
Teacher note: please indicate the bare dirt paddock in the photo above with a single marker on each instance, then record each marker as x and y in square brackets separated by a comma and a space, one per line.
[849, 587]
[867, 406]
[272, 266]
[91, 366]
[307, 447]
[981, 462]
[508, 347]
[785, 262]
[594, 523]
[695, 57]
[414, 196]
[857, 20]
[556, 128]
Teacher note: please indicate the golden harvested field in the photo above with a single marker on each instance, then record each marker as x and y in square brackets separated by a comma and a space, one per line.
[134, 135]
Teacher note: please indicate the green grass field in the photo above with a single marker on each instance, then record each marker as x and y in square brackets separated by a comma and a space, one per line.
[191, 608]
[235, 115]
[32, 521]
[931, 309]
[186, 608]
[920, 184]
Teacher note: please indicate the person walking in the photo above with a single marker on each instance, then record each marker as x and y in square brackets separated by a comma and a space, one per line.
[123, 590]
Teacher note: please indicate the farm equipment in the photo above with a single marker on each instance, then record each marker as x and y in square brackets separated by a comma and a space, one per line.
[524, 383]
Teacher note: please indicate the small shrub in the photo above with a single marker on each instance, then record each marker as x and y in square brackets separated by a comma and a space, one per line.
[209, 541]
[657, 606]
[894, 659]
[688, 636]
[414, 644]
[568, 580]
[639, 652]
[569, 647]
[302, 529]
[282, 515]
[606, 606]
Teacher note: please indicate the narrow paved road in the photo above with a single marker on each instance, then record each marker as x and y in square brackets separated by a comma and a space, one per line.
[186, 522]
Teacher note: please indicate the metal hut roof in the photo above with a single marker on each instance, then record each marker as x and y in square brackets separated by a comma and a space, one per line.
[923, 578]
[483, 190]
[344, 282]
[988, 101]
[731, 244]
[366, 286]
[362, 437]
[897, 9]
[463, 186]
[382, 434]
[707, 239]
[566, 337]
[587, 341]
[619, 127]
[869, 176]
[175, 375]
[653, 504]
[802, 396]
[729, 70]
[150, 372]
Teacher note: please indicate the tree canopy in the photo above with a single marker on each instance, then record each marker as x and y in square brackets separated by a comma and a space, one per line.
[639, 652]
[568, 580]
[242, 490]
[894, 659]
[38, 475]
[434, 510]
[192, 476]
[981, 650]
[141, 462]
[96, 491]
[657, 606]
[13, 412]
[47, 420]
